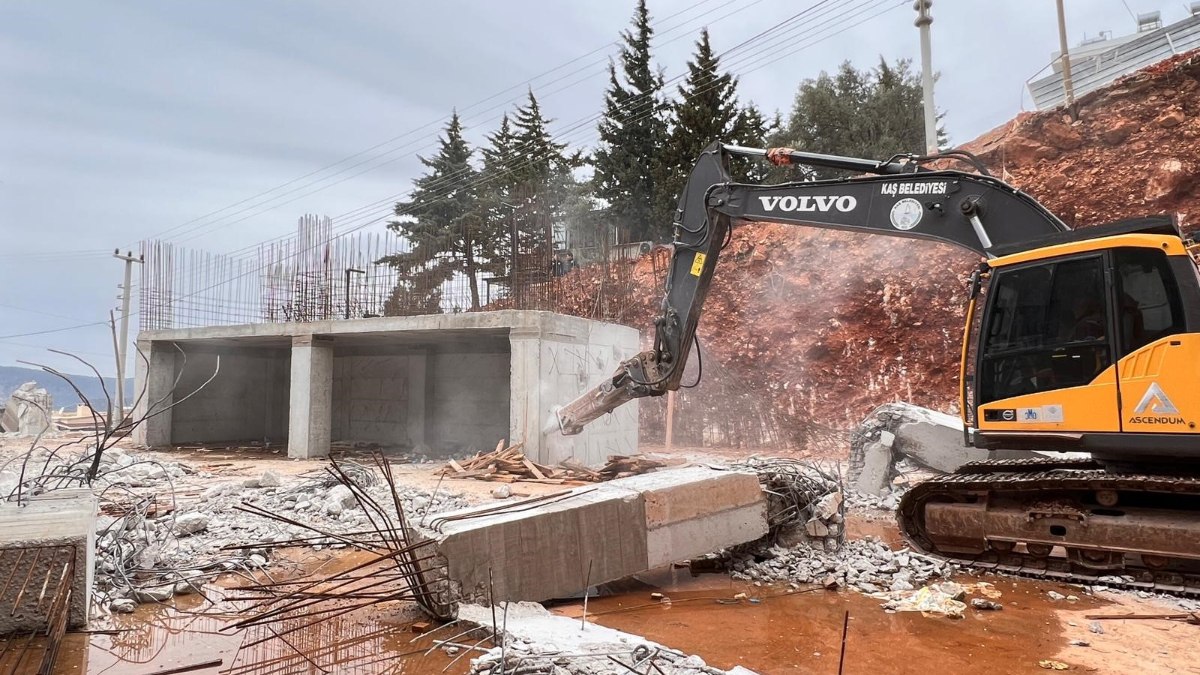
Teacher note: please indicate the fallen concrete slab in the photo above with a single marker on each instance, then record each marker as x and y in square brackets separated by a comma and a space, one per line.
[534, 637]
[45, 543]
[558, 545]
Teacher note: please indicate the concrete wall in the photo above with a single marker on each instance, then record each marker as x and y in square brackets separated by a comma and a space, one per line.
[370, 398]
[555, 363]
[248, 399]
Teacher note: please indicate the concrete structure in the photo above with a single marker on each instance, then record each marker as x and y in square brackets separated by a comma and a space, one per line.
[446, 382]
[27, 412]
[539, 549]
[1097, 63]
[36, 539]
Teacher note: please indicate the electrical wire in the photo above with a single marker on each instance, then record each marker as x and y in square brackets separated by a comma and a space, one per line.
[756, 59]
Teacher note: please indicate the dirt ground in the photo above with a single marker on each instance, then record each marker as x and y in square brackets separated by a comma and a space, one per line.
[781, 633]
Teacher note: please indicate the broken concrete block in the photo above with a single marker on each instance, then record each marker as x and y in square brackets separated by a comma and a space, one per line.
[342, 495]
[616, 529]
[27, 412]
[816, 528]
[43, 535]
[191, 523]
[875, 471]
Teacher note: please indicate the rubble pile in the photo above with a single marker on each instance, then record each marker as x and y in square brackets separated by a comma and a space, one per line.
[866, 565]
[157, 535]
[27, 411]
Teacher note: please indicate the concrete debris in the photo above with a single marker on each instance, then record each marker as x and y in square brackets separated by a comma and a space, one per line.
[123, 606]
[152, 544]
[501, 492]
[27, 412]
[536, 642]
[893, 431]
[191, 523]
[866, 565]
[804, 500]
[985, 604]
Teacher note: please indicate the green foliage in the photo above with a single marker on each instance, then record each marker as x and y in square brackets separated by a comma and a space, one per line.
[629, 163]
[442, 225]
[859, 113]
[706, 111]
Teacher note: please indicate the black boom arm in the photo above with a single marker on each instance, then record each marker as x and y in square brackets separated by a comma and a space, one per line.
[902, 199]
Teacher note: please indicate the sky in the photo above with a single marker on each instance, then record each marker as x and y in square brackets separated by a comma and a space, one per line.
[211, 124]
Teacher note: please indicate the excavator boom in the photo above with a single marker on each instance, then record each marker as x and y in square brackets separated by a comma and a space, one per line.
[900, 199]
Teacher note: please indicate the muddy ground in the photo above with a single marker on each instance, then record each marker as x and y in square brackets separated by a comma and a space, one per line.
[771, 629]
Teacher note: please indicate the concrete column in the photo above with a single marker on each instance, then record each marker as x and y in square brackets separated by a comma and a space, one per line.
[525, 401]
[415, 418]
[153, 390]
[311, 399]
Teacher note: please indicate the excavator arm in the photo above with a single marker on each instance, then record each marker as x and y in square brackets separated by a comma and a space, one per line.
[898, 197]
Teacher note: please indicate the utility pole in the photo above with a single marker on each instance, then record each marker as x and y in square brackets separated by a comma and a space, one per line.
[1068, 86]
[923, 20]
[123, 340]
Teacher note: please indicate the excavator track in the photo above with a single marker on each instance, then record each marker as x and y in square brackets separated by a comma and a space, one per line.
[1063, 520]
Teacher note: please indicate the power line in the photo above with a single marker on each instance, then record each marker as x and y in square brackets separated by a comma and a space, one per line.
[575, 127]
[411, 132]
[771, 57]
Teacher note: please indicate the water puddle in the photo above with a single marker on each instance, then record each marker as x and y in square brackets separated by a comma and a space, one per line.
[189, 631]
[802, 632]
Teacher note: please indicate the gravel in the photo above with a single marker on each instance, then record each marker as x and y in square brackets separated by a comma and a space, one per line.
[867, 565]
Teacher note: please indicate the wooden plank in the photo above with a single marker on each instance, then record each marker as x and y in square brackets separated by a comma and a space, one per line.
[533, 469]
[457, 467]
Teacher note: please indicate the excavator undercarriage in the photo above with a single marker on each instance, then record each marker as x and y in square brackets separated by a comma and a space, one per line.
[1062, 519]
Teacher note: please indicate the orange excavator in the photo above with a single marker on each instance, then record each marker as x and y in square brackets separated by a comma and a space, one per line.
[1075, 341]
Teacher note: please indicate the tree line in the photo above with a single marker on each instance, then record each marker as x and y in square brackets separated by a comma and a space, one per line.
[478, 212]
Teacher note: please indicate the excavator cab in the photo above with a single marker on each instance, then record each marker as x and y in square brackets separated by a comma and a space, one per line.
[1091, 341]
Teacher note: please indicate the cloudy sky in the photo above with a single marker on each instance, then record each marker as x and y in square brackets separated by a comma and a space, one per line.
[123, 121]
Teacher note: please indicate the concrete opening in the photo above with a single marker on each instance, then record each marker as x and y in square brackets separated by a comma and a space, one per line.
[246, 401]
[442, 397]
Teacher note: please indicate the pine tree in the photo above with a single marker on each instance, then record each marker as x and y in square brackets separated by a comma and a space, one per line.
[628, 164]
[442, 225]
[707, 111]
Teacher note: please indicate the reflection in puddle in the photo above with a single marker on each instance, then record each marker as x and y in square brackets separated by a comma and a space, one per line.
[159, 638]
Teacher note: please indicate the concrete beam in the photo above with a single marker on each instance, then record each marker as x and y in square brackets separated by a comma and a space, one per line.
[539, 550]
[311, 400]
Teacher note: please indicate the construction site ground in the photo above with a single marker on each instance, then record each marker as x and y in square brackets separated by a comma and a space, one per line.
[772, 628]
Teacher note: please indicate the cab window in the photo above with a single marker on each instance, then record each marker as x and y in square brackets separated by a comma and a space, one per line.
[1047, 329]
[1149, 306]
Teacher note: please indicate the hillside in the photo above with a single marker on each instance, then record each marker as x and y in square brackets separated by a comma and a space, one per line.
[12, 377]
[808, 330]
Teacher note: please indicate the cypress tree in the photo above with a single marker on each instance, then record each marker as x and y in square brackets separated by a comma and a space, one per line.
[707, 111]
[628, 161]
